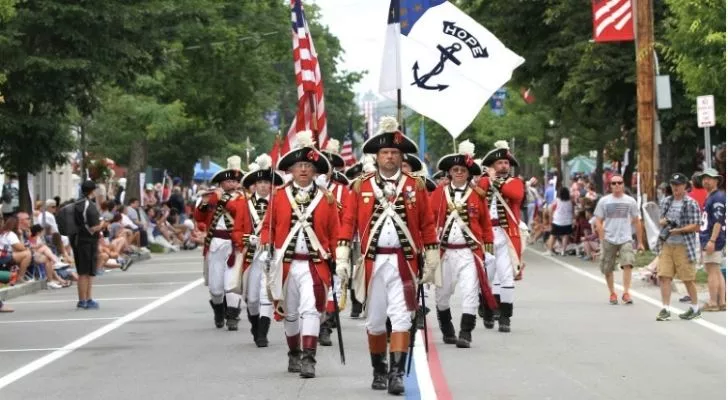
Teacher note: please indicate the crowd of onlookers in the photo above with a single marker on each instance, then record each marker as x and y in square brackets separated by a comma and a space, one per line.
[32, 248]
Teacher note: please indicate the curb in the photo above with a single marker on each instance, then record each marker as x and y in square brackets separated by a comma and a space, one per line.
[11, 292]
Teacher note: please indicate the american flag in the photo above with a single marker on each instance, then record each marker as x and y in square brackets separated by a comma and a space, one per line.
[347, 148]
[308, 82]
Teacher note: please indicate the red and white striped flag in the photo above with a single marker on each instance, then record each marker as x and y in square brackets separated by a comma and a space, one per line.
[308, 82]
[347, 151]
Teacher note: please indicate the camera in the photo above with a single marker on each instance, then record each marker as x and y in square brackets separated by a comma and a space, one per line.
[665, 231]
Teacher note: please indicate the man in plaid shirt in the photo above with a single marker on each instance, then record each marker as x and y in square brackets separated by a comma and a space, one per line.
[678, 252]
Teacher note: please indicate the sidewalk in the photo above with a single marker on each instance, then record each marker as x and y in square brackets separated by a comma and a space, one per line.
[22, 289]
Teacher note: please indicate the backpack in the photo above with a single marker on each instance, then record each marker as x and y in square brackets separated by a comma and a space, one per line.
[66, 220]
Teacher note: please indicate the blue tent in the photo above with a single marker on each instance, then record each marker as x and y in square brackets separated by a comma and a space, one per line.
[204, 175]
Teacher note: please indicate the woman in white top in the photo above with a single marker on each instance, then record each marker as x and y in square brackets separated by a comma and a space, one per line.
[9, 237]
[562, 221]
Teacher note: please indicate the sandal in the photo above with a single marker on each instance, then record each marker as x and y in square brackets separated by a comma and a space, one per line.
[710, 307]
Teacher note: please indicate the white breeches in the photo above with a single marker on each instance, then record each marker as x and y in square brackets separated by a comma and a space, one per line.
[386, 298]
[459, 268]
[257, 294]
[223, 281]
[301, 314]
[500, 272]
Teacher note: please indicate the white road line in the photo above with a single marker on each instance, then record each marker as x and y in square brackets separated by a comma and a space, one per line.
[74, 300]
[69, 348]
[424, 379]
[33, 321]
[198, 272]
[140, 284]
[28, 350]
[647, 299]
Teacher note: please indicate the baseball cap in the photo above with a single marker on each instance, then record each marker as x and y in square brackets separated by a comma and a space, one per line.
[87, 187]
[678, 179]
[711, 172]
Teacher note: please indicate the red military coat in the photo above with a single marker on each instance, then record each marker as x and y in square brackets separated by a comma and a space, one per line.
[277, 225]
[513, 192]
[237, 207]
[358, 212]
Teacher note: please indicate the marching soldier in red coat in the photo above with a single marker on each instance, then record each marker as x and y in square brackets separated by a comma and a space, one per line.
[390, 210]
[260, 179]
[332, 181]
[301, 226]
[224, 215]
[504, 194]
[466, 234]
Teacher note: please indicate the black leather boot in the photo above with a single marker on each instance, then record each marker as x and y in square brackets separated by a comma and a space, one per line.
[444, 318]
[324, 337]
[232, 316]
[356, 306]
[497, 311]
[263, 326]
[308, 358]
[396, 373]
[219, 312]
[504, 321]
[467, 324]
[379, 366]
[254, 322]
[294, 353]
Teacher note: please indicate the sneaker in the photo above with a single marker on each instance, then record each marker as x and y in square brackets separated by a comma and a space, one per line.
[685, 299]
[627, 299]
[126, 264]
[690, 314]
[613, 299]
[664, 315]
[81, 304]
[54, 285]
[60, 264]
[547, 253]
[91, 305]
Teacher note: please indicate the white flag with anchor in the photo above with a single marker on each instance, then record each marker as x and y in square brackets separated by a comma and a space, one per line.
[446, 64]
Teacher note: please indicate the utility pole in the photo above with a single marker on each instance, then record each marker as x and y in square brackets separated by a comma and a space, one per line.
[645, 95]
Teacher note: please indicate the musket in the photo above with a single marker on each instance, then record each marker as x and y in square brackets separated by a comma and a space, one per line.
[332, 269]
[421, 295]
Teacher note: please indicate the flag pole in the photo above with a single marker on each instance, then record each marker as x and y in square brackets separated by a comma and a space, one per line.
[314, 118]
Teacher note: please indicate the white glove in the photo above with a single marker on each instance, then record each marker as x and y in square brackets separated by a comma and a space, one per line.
[342, 262]
[254, 240]
[432, 265]
[263, 255]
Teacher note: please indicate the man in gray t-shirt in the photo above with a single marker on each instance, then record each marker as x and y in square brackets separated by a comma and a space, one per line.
[615, 215]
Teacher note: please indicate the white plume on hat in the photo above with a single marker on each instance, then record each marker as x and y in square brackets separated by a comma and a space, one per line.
[234, 162]
[368, 163]
[466, 148]
[263, 161]
[304, 139]
[253, 167]
[479, 161]
[501, 144]
[332, 146]
[388, 124]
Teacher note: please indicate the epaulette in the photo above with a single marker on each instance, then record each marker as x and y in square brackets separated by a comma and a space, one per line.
[419, 181]
[356, 185]
[329, 196]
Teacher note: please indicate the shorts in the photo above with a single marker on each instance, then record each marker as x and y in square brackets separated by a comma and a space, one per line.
[561, 230]
[673, 261]
[85, 253]
[612, 254]
[65, 273]
[715, 257]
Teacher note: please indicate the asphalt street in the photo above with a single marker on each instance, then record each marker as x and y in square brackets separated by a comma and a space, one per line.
[153, 338]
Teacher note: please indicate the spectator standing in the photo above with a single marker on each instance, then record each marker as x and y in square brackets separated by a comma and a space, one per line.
[712, 238]
[562, 221]
[533, 199]
[615, 214]
[680, 215]
[150, 198]
[177, 202]
[85, 244]
[698, 192]
[549, 192]
[10, 196]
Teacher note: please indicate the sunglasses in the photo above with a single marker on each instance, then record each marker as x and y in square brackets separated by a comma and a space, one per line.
[616, 183]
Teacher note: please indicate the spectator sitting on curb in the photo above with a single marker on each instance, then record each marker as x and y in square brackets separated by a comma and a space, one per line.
[590, 242]
[21, 256]
[678, 247]
[42, 254]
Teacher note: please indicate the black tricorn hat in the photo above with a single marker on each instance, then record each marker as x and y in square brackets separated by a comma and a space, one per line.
[354, 171]
[414, 162]
[389, 137]
[430, 184]
[332, 153]
[464, 157]
[305, 152]
[232, 172]
[260, 170]
[501, 152]
[340, 178]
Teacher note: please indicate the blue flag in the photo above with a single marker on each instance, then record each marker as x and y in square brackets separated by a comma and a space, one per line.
[423, 145]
